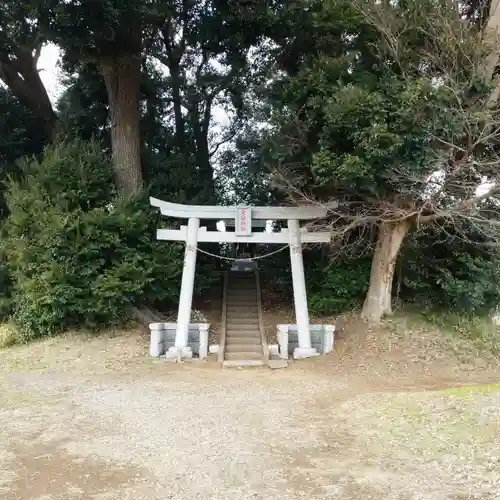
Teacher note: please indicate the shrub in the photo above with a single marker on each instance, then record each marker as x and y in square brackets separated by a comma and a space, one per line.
[78, 254]
[5, 289]
[459, 272]
[338, 286]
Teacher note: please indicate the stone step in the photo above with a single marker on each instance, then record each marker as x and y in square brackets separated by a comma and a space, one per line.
[241, 311]
[230, 356]
[231, 296]
[242, 327]
[242, 302]
[240, 333]
[245, 340]
[243, 332]
[245, 323]
[243, 318]
[242, 314]
[239, 294]
[246, 348]
[242, 363]
[237, 307]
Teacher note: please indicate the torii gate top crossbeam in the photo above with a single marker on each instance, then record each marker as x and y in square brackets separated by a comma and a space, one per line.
[220, 212]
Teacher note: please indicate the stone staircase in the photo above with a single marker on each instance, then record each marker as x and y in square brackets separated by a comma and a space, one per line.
[243, 345]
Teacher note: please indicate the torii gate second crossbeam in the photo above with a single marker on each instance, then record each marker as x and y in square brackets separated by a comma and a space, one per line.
[193, 234]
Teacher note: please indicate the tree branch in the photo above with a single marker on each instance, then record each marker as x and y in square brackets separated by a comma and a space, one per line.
[464, 206]
[228, 138]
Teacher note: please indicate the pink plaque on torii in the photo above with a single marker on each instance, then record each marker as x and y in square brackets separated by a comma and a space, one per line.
[243, 225]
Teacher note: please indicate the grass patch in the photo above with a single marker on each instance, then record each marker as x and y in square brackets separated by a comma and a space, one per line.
[9, 335]
[480, 330]
[486, 390]
[461, 422]
[461, 332]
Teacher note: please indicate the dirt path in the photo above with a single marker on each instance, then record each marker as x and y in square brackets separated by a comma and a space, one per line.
[97, 419]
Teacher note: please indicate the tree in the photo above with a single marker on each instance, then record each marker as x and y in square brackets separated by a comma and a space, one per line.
[394, 121]
[110, 36]
[205, 47]
[83, 106]
[21, 42]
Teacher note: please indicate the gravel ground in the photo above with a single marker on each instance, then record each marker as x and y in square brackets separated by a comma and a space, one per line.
[81, 422]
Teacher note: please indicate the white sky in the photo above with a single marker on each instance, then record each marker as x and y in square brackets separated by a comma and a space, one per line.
[49, 72]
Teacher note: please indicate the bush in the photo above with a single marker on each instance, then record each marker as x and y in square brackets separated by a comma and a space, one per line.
[5, 289]
[78, 254]
[337, 286]
[459, 272]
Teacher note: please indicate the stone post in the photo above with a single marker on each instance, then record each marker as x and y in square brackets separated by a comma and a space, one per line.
[304, 350]
[156, 342]
[283, 340]
[328, 338]
[204, 327]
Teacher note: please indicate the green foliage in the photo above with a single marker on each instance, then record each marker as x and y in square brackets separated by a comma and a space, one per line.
[83, 106]
[20, 131]
[386, 94]
[20, 135]
[95, 29]
[5, 289]
[337, 286]
[349, 116]
[458, 272]
[78, 255]
[332, 286]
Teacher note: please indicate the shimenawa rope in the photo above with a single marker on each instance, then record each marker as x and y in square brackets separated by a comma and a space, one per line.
[232, 259]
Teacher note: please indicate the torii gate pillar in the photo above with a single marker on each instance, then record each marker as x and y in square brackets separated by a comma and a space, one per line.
[181, 348]
[304, 350]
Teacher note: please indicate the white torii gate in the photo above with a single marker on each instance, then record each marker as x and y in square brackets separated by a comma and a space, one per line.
[193, 234]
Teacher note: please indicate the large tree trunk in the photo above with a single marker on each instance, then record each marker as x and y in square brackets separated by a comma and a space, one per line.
[201, 126]
[20, 74]
[378, 300]
[177, 99]
[122, 76]
[205, 166]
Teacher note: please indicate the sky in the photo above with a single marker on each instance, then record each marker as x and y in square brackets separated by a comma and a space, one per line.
[47, 64]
